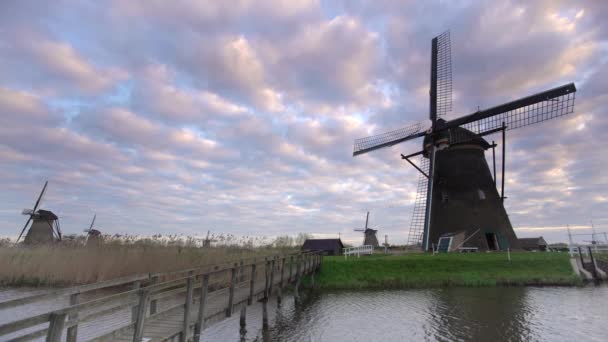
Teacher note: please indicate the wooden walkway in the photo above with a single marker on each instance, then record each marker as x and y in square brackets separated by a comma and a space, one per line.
[156, 307]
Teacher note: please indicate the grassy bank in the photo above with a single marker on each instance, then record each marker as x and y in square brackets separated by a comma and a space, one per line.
[424, 270]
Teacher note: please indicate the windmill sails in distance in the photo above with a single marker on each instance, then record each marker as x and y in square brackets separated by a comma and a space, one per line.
[94, 237]
[369, 234]
[45, 224]
[457, 192]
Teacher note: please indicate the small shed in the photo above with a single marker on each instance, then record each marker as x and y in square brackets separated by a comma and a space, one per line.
[533, 244]
[450, 242]
[327, 246]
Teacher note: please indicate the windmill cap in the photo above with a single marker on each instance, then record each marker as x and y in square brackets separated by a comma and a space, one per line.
[46, 214]
[453, 137]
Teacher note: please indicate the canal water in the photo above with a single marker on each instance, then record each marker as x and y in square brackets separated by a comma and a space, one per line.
[451, 314]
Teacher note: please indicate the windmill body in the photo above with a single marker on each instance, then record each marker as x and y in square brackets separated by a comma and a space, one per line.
[370, 237]
[94, 236]
[465, 198]
[458, 201]
[369, 234]
[42, 229]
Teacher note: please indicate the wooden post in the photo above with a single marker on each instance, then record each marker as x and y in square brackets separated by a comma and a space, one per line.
[289, 280]
[242, 271]
[144, 299]
[187, 307]
[595, 273]
[136, 285]
[265, 314]
[72, 332]
[231, 293]
[298, 276]
[153, 303]
[200, 322]
[251, 284]
[56, 324]
[282, 272]
[266, 276]
[265, 300]
[272, 267]
[243, 318]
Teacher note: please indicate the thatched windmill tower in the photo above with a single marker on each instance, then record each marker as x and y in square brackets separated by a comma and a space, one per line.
[369, 234]
[45, 224]
[457, 193]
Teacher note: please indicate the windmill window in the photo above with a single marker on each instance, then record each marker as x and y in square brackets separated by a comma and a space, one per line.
[482, 195]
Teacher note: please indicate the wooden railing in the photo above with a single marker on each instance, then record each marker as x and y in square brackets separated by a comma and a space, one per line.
[365, 249]
[200, 295]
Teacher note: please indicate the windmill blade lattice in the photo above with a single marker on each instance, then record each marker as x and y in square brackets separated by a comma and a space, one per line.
[444, 74]
[524, 112]
[526, 116]
[364, 145]
[418, 214]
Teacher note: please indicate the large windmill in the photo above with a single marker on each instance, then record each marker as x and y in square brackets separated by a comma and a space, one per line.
[369, 234]
[456, 190]
[45, 226]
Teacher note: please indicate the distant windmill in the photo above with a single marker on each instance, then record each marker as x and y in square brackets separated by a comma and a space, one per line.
[369, 234]
[93, 235]
[45, 226]
[207, 242]
[456, 190]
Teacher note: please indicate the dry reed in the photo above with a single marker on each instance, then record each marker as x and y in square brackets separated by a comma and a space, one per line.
[72, 263]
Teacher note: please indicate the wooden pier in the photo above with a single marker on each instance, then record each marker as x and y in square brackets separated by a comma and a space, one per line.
[156, 307]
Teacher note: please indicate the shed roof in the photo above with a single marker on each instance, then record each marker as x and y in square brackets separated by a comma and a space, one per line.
[322, 244]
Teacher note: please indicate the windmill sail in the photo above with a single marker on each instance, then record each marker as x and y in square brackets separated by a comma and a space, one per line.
[444, 74]
[364, 145]
[418, 214]
[527, 111]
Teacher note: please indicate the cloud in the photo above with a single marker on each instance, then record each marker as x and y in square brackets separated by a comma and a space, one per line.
[51, 66]
[240, 116]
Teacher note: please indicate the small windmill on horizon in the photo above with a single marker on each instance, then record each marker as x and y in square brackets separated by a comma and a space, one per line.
[208, 240]
[94, 237]
[369, 234]
[457, 193]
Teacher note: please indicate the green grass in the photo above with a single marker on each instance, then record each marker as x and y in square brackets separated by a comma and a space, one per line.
[424, 270]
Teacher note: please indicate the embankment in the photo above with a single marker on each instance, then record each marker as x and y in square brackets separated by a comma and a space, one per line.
[425, 270]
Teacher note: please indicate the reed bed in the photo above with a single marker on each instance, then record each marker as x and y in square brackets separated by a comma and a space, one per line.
[72, 262]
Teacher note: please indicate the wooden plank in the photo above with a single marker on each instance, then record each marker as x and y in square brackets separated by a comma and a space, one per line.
[200, 322]
[144, 299]
[251, 284]
[70, 291]
[72, 332]
[231, 293]
[187, 307]
[55, 327]
[11, 327]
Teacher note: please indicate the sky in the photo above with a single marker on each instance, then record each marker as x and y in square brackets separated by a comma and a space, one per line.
[179, 117]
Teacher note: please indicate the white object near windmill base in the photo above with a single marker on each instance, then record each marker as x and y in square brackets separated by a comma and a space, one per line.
[358, 251]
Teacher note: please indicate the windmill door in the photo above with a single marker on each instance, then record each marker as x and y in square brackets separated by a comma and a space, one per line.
[492, 242]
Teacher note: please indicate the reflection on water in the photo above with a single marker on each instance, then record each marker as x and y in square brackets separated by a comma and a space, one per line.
[454, 314]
